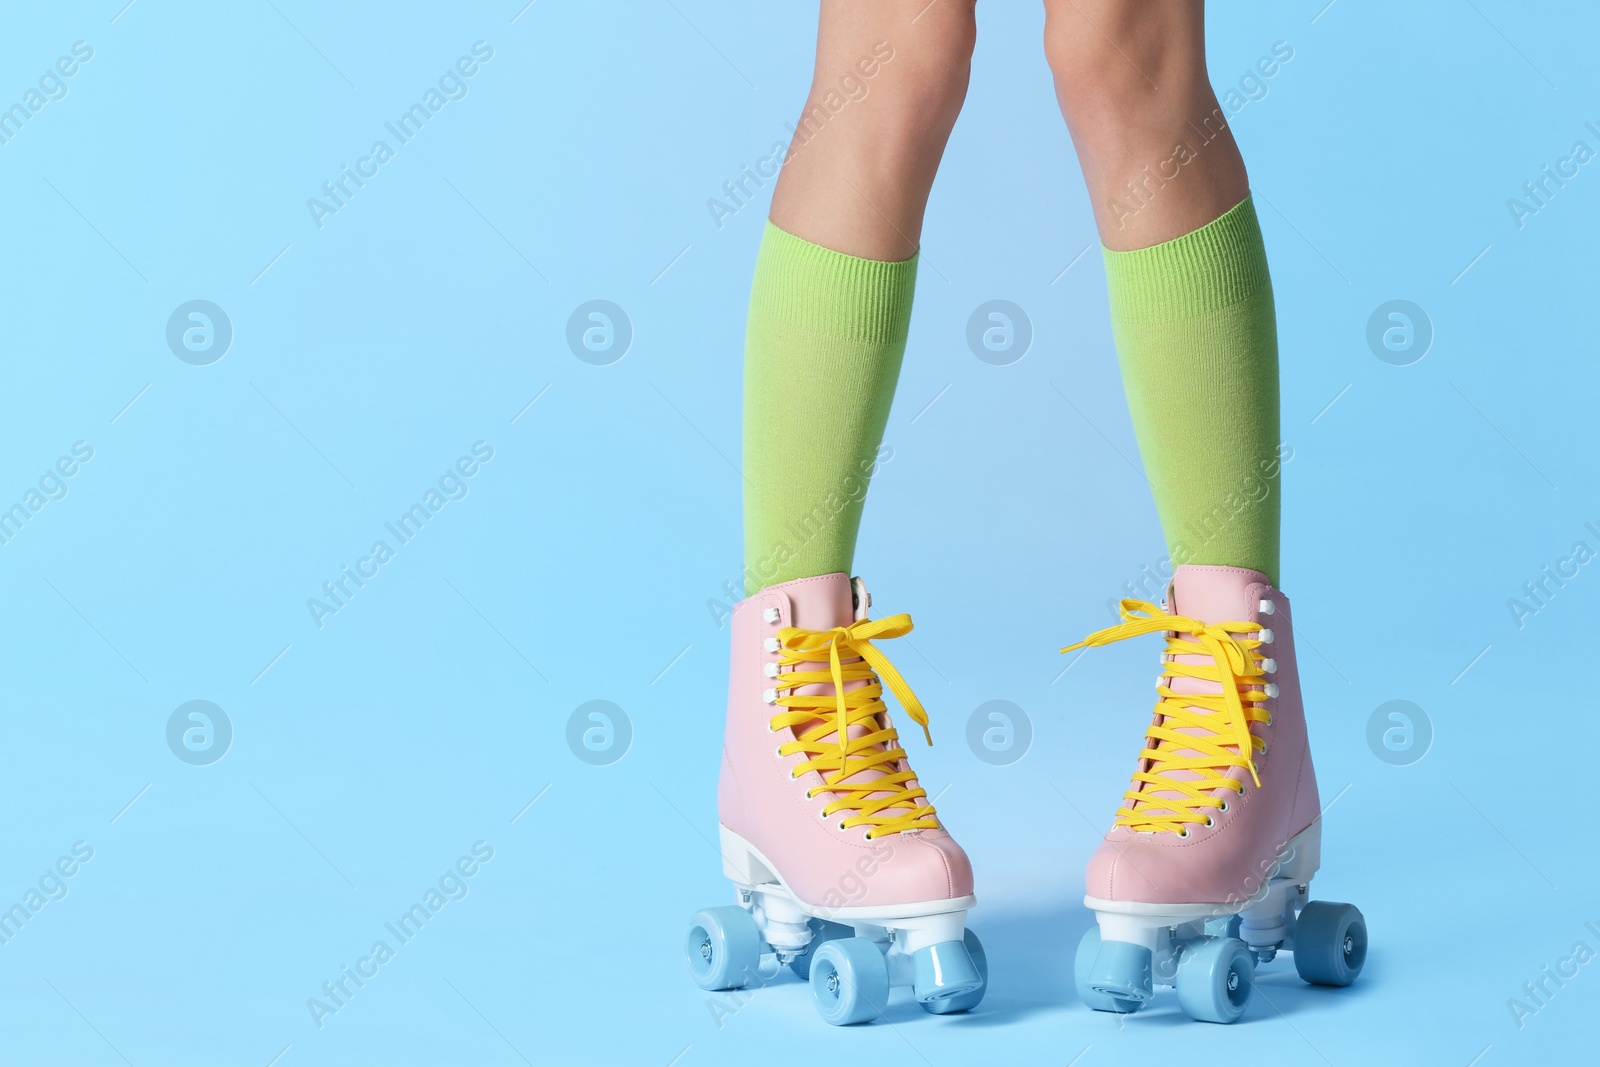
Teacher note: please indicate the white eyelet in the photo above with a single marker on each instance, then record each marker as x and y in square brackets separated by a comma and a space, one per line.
[1270, 666]
[842, 827]
[770, 669]
[778, 752]
[1266, 635]
[865, 836]
[770, 696]
[1184, 833]
[771, 614]
[1271, 689]
[1210, 822]
[771, 644]
[1224, 809]
[1268, 607]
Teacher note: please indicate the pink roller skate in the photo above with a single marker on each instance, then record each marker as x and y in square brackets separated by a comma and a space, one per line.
[843, 871]
[1222, 824]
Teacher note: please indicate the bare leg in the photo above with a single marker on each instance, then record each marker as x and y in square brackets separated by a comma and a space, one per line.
[890, 79]
[1155, 148]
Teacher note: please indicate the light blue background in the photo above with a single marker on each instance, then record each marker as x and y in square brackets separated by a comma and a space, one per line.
[371, 353]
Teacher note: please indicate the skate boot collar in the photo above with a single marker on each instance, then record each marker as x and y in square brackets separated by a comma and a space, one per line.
[1216, 594]
[819, 603]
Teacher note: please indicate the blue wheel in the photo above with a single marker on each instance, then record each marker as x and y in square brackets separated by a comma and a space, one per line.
[821, 931]
[849, 981]
[1330, 943]
[947, 997]
[723, 947]
[1215, 978]
[1091, 992]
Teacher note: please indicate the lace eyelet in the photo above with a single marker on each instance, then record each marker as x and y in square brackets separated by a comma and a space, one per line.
[867, 836]
[772, 615]
[1269, 666]
[1266, 635]
[1184, 833]
[771, 644]
[1267, 607]
[842, 827]
[1210, 822]
[1223, 810]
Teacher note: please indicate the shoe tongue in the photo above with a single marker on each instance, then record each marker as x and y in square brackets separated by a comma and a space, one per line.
[821, 603]
[824, 603]
[1210, 595]
[1213, 594]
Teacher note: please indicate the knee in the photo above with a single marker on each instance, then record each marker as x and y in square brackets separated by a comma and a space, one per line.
[937, 62]
[1122, 68]
[913, 79]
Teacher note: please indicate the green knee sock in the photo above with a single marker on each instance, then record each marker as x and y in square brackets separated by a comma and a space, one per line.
[1197, 340]
[822, 354]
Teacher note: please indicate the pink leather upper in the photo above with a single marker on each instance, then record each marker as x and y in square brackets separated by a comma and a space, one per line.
[759, 800]
[1228, 861]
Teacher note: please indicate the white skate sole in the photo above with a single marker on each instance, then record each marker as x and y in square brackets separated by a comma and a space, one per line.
[783, 916]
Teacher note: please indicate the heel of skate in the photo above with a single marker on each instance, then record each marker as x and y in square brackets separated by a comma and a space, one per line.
[740, 864]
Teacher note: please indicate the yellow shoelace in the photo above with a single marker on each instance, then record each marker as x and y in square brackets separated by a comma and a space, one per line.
[1225, 717]
[851, 657]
